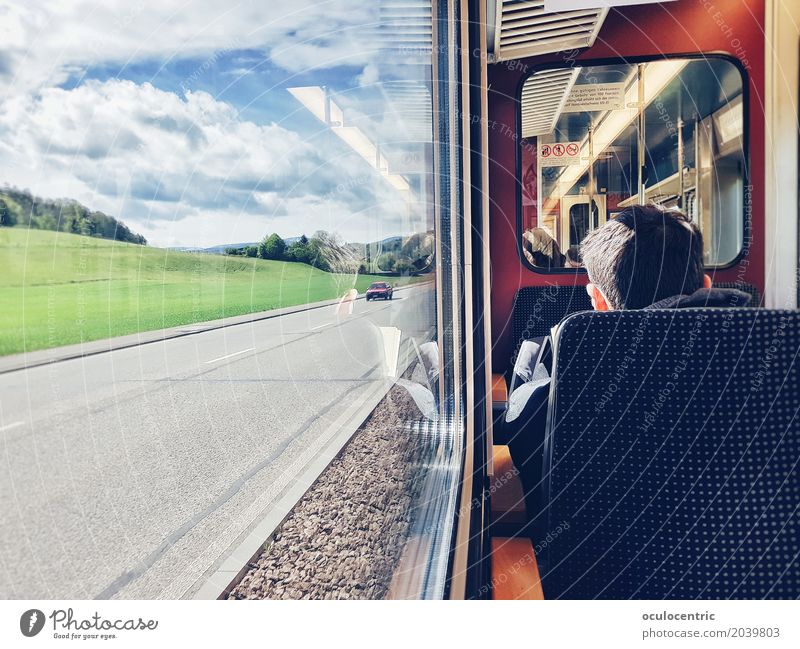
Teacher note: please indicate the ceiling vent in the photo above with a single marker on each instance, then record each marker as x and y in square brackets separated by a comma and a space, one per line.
[522, 28]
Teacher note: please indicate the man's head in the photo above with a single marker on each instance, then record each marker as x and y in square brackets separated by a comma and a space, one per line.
[644, 255]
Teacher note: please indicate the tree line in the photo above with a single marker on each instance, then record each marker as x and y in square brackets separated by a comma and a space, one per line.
[323, 250]
[406, 255]
[20, 207]
[326, 251]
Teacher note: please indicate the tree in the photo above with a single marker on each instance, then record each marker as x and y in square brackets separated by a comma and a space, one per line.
[386, 261]
[404, 267]
[272, 247]
[251, 251]
[6, 217]
[297, 252]
[300, 251]
[65, 215]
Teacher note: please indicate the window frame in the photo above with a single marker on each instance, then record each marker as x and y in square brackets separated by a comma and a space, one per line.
[747, 198]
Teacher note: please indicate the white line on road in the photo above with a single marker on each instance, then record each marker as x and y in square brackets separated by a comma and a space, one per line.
[222, 358]
[324, 324]
[10, 426]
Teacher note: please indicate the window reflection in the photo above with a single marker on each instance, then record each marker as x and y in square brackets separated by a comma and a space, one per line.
[668, 132]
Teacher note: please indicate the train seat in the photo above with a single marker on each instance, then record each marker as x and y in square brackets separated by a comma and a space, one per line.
[537, 309]
[671, 451]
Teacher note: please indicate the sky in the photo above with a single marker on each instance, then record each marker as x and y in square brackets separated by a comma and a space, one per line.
[176, 118]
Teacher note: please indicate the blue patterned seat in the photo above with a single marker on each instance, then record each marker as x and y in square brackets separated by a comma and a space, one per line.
[671, 456]
[537, 309]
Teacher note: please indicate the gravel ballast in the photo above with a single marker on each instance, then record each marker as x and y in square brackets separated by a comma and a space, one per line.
[345, 537]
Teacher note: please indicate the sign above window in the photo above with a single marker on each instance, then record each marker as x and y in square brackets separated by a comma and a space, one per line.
[595, 96]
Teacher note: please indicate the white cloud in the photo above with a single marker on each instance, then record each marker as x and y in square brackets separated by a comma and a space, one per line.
[150, 156]
[43, 42]
[123, 135]
[185, 169]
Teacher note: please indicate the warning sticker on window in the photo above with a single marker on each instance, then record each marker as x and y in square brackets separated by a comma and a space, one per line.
[559, 154]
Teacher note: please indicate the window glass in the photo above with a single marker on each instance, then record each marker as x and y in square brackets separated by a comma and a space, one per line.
[193, 204]
[597, 139]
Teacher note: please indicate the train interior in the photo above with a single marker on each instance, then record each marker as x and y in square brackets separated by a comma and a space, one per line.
[590, 112]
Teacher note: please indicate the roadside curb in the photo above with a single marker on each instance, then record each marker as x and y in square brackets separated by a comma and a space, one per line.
[28, 360]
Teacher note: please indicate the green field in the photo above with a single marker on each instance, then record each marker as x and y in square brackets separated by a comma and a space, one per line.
[58, 288]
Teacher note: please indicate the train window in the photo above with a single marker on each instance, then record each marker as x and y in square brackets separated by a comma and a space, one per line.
[598, 138]
[188, 232]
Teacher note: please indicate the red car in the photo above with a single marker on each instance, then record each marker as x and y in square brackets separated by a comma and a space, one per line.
[380, 290]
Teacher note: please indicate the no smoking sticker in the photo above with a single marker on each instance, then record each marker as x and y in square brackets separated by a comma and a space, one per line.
[559, 154]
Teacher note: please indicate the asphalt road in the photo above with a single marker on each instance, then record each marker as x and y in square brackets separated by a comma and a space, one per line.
[129, 473]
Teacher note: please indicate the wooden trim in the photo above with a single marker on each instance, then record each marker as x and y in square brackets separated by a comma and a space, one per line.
[499, 389]
[515, 573]
[507, 495]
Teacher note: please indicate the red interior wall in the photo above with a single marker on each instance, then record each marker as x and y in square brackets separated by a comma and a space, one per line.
[734, 27]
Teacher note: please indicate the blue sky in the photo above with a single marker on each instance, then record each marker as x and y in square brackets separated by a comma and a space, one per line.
[189, 135]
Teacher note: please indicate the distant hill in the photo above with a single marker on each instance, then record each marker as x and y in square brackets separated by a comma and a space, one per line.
[20, 207]
[220, 249]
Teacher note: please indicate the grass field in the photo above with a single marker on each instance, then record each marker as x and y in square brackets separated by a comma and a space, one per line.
[58, 288]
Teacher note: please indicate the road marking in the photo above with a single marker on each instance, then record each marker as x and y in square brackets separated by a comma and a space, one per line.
[222, 358]
[324, 324]
[10, 426]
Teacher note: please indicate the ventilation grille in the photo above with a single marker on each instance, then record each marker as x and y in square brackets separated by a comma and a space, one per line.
[411, 105]
[406, 26]
[543, 97]
[524, 28]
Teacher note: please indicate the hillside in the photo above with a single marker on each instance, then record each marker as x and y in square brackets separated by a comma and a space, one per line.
[59, 288]
[20, 207]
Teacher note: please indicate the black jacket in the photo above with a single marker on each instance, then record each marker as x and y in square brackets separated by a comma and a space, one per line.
[705, 297]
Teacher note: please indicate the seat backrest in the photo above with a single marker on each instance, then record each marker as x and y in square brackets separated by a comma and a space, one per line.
[537, 309]
[671, 456]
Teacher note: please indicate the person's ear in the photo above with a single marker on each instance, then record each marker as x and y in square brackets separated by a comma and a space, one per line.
[599, 301]
[707, 281]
